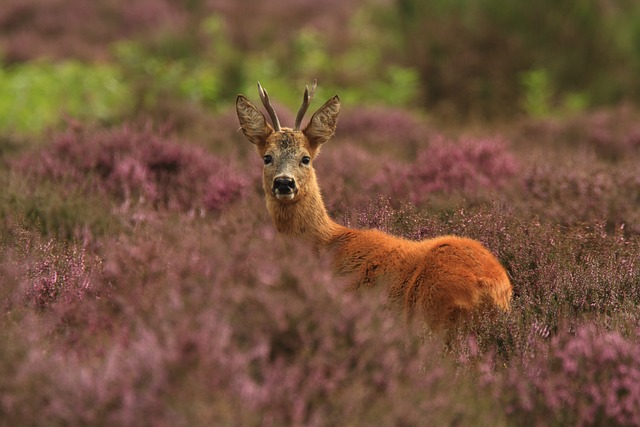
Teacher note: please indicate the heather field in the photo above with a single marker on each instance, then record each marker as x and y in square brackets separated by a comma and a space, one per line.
[143, 283]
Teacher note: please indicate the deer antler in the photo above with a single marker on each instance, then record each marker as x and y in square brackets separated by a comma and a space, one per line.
[264, 97]
[306, 101]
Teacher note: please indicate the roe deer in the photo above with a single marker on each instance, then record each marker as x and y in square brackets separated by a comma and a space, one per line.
[443, 279]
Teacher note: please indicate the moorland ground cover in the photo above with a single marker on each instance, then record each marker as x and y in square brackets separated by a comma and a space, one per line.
[141, 279]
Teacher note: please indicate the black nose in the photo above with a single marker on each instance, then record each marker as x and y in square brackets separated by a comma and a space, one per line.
[284, 185]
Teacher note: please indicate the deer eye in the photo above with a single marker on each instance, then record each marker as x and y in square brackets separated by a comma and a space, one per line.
[306, 160]
[267, 159]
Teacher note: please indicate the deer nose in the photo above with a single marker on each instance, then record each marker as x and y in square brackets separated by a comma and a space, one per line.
[284, 185]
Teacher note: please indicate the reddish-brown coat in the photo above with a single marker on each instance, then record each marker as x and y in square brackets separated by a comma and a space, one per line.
[441, 279]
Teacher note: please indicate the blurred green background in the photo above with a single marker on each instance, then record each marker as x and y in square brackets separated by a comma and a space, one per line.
[457, 60]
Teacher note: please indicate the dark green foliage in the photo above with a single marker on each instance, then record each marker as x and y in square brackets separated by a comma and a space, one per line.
[465, 59]
[485, 58]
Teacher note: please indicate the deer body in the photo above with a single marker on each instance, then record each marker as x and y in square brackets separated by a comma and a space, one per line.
[443, 279]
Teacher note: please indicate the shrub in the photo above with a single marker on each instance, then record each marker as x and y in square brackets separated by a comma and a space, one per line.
[34, 96]
[344, 172]
[198, 333]
[473, 56]
[585, 377]
[191, 320]
[385, 130]
[47, 272]
[613, 134]
[466, 167]
[137, 166]
[584, 189]
[70, 29]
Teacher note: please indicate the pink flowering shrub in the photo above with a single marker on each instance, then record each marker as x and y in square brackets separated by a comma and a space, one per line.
[248, 23]
[272, 337]
[193, 319]
[48, 272]
[344, 171]
[467, 166]
[62, 275]
[222, 310]
[584, 189]
[138, 166]
[613, 134]
[262, 336]
[384, 129]
[585, 377]
[474, 163]
[582, 170]
[62, 28]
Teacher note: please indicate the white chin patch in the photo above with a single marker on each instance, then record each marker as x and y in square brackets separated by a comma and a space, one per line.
[287, 196]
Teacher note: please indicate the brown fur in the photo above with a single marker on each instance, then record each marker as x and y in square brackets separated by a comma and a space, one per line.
[442, 279]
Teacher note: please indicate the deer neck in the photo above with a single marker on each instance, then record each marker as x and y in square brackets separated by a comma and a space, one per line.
[306, 218]
[372, 255]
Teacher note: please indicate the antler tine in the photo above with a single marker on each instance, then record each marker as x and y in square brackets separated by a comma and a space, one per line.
[264, 97]
[306, 101]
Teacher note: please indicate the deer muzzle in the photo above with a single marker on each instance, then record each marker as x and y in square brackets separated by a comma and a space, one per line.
[284, 187]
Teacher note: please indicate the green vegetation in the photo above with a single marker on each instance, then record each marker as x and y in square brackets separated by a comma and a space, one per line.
[36, 95]
[466, 59]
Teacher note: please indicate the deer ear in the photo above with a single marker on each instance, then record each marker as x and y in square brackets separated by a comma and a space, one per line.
[323, 123]
[252, 121]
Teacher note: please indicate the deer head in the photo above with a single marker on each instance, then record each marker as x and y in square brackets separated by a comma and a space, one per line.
[288, 153]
